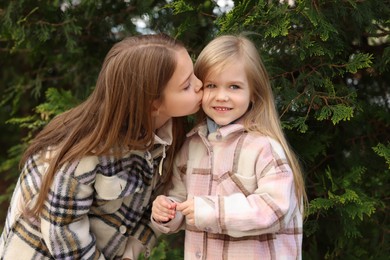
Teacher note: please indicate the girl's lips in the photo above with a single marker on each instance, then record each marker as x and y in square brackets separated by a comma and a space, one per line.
[222, 108]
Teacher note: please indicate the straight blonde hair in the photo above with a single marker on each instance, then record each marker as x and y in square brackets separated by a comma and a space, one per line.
[117, 116]
[262, 116]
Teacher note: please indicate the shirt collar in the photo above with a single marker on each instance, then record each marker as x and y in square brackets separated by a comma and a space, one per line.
[164, 134]
[209, 126]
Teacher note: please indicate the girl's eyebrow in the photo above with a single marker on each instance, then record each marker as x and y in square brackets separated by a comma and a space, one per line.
[236, 82]
[209, 81]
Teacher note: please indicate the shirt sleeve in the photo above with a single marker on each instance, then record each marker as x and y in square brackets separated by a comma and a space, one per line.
[172, 226]
[267, 210]
[177, 193]
[64, 221]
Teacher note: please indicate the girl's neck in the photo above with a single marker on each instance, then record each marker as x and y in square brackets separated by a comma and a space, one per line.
[159, 122]
[212, 126]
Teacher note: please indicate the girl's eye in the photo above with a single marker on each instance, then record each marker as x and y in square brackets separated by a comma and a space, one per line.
[187, 87]
[210, 86]
[234, 87]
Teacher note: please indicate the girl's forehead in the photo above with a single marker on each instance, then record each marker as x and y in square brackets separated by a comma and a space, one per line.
[223, 65]
[216, 69]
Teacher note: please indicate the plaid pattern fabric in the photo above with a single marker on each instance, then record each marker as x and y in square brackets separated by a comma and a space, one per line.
[95, 205]
[243, 191]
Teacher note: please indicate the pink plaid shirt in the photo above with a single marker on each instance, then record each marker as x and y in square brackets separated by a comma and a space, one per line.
[243, 190]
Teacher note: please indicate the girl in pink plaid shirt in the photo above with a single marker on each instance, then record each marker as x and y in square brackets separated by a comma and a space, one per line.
[237, 186]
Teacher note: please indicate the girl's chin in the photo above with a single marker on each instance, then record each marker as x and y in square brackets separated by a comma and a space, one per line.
[221, 122]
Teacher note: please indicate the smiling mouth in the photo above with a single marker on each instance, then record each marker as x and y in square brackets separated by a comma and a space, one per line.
[222, 108]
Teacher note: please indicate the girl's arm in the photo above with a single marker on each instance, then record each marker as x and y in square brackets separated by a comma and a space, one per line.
[65, 224]
[177, 194]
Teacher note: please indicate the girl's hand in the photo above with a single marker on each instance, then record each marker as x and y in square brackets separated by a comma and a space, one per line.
[187, 208]
[163, 209]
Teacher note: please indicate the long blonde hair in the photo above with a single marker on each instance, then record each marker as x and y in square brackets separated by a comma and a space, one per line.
[262, 116]
[117, 115]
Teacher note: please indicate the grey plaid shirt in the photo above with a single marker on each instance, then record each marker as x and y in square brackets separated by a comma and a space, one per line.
[96, 208]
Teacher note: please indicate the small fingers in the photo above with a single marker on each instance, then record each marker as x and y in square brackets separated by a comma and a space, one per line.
[182, 206]
[163, 209]
[186, 207]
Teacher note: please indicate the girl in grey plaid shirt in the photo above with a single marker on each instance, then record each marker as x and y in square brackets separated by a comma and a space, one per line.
[90, 175]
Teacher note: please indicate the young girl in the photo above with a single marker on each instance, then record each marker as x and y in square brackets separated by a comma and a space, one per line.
[236, 181]
[89, 177]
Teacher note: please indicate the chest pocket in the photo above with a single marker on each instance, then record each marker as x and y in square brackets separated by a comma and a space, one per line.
[111, 190]
[196, 179]
[236, 180]
[108, 193]
[109, 187]
[102, 207]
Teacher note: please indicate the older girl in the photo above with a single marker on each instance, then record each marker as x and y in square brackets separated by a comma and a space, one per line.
[236, 181]
[89, 176]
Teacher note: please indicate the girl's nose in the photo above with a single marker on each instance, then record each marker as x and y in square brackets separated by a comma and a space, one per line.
[222, 95]
[198, 84]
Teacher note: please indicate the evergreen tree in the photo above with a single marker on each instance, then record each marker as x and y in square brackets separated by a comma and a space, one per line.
[329, 65]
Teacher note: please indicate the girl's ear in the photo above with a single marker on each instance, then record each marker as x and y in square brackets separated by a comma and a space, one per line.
[155, 108]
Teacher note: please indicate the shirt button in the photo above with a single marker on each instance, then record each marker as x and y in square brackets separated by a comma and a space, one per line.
[122, 229]
[198, 254]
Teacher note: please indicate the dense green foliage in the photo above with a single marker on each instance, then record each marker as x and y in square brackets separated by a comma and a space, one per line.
[329, 61]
